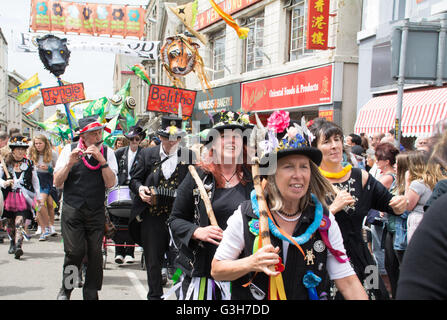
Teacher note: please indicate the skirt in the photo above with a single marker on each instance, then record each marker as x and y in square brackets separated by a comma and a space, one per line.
[15, 201]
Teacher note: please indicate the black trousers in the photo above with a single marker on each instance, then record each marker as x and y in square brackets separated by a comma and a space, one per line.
[82, 229]
[122, 236]
[155, 243]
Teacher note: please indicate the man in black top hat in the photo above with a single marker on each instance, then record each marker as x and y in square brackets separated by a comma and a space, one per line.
[163, 167]
[85, 170]
[126, 158]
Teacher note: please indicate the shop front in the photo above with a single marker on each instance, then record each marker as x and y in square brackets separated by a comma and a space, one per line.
[307, 93]
[226, 97]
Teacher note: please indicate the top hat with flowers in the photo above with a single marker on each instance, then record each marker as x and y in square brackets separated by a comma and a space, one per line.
[228, 120]
[171, 126]
[18, 141]
[286, 137]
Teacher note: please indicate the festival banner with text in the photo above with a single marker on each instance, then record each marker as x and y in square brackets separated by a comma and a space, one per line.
[317, 24]
[167, 100]
[63, 94]
[300, 89]
[87, 18]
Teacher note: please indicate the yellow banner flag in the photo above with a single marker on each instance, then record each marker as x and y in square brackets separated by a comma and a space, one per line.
[27, 89]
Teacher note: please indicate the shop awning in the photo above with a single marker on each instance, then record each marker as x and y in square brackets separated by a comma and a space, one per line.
[421, 109]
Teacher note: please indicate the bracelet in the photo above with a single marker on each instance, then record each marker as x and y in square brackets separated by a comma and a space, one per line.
[104, 166]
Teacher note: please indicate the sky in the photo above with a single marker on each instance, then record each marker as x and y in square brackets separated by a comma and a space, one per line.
[94, 69]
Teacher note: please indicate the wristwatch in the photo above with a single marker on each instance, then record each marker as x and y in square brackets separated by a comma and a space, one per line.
[104, 166]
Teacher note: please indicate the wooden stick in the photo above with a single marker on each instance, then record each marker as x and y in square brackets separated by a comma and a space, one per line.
[5, 169]
[262, 203]
[203, 195]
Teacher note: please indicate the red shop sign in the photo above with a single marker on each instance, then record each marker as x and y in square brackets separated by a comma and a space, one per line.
[167, 99]
[305, 88]
[63, 94]
[317, 24]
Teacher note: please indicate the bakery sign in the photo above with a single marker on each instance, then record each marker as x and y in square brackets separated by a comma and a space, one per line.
[300, 89]
[210, 16]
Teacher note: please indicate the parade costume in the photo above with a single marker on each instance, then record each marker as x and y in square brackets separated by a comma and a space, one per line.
[126, 158]
[162, 173]
[20, 197]
[83, 213]
[189, 213]
[309, 258]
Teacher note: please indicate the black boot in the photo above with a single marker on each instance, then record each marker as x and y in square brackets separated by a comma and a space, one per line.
[19, 252]
[12, 247]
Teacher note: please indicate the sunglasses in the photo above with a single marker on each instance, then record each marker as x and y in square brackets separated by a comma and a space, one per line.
[135, 139]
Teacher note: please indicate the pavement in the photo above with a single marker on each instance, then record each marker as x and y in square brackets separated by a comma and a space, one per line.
[38, 273]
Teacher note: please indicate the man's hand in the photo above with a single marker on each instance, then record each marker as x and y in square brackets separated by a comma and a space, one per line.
[145, 194]
[96, 153]
[212, 234]
[75, 155]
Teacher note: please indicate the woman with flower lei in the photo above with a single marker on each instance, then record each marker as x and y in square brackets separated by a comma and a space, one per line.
[307, 247]
[357, 193]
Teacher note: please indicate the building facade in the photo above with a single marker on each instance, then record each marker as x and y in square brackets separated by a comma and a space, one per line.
[423, 101]
[3, 82]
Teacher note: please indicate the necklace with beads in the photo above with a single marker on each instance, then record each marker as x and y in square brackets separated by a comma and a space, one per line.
[336, 175]
[287, 217]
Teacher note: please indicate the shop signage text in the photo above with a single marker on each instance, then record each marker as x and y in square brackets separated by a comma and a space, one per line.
[317, 24]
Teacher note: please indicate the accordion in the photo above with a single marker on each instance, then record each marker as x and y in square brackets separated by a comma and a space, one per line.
[162, 199]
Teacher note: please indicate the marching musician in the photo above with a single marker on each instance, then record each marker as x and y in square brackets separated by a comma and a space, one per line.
[125, 157]
[85, 170]
[164, 167]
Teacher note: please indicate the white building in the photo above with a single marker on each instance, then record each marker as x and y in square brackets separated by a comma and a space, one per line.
[3, 81]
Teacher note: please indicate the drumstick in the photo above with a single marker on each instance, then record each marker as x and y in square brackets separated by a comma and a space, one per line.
[204, 195]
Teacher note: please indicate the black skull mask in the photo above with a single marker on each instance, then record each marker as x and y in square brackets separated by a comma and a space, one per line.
[54, 53]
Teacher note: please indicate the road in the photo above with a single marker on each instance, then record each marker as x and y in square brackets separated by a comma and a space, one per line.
[38, 273]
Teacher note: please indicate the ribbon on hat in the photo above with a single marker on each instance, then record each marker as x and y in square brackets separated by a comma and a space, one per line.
[90, 126]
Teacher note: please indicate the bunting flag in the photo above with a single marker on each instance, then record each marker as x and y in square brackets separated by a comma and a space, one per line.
[241, 32]
[32, 108]
[96, 107]
[107, 136]
[187, 14]
[27, 89]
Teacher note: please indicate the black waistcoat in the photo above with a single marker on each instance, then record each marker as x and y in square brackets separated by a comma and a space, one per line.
[296, 266]
[85, 186]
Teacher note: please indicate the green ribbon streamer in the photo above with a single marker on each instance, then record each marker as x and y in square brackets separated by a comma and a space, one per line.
[202, 288]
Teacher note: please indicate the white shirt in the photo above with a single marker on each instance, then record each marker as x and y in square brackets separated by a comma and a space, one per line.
[130, 159]
[65, 156]
[168, 166]
[233, 243]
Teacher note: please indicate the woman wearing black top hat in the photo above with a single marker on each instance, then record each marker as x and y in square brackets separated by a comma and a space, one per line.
[19, 177]
[226, 176]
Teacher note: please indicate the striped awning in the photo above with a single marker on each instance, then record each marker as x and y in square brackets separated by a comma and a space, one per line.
[421, 109]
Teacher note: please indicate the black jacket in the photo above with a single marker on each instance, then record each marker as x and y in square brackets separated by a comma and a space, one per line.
[141, 174]
[121, 158]
[195, 256]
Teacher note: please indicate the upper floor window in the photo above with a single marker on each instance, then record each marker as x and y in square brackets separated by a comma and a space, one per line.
[297, 13]
[218, 54]
[254, 43]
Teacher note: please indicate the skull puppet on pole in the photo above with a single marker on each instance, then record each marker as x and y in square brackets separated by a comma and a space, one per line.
[54, 54]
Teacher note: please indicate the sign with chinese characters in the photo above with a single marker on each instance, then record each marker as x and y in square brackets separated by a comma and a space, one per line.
[210, 16]
[63, 94]
[167, 99]
[317, 24]
[328, 114]
[304, 88]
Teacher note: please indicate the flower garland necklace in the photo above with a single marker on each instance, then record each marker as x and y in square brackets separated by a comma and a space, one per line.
[82, 146]
[336, 175]
[301, 239]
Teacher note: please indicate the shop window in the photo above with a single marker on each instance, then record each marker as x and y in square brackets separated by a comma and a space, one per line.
[297, 11]
[218, 54]
[254, 43]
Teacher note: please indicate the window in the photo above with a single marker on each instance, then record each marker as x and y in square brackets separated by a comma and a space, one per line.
[254, 44]
[398, 10]
[298, 12]
[218, 54]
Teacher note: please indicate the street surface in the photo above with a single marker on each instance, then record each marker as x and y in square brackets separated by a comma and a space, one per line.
[38, 273]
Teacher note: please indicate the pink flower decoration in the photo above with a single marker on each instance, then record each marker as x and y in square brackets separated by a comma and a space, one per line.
[279, 121]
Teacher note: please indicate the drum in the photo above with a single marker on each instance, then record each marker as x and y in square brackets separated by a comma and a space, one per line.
[119, 202]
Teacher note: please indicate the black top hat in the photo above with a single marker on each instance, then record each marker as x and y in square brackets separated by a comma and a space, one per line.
[89, 123]
[134, 131]
[291, 138]
[228, 120]
[171, 126]
[18, 141]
